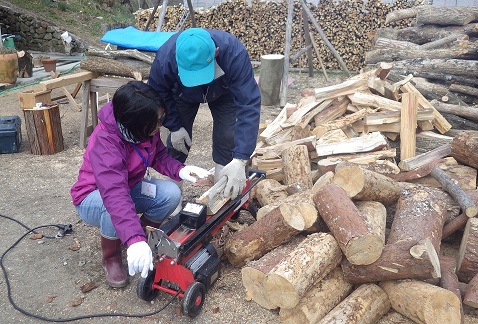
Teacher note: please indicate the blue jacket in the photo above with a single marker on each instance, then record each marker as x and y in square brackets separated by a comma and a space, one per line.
[238, 79]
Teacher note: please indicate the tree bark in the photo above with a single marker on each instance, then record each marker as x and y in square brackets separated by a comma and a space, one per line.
[362, 184]
[423, 302]
[319, 300]
[367, 304]
[464, 148]
[255, 272]
[44, 130]
[312, 260]
[272, 230]
[360, 244]
[297, 166]
[468, 253]
[401, 260]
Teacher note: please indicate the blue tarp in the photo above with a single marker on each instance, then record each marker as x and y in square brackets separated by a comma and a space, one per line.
[133, 38]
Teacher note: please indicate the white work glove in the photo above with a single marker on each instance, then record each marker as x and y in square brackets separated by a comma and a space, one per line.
[179, 140]
[188, 172]
[140, 258]
[235, 171]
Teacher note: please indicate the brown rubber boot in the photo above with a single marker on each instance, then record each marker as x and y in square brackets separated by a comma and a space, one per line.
[116, 275]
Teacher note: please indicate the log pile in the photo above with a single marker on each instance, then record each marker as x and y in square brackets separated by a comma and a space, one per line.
[349, 25]
[440, 50]
[350, 227]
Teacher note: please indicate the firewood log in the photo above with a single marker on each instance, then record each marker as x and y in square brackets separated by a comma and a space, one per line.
[366, 304]
[254, 272]
[464, 148]
[420, 214]
[297, 166]
[423, 302]
[321, 298]
[272, 230]
[467, 205]
[361, 184]
[360, 244]
[449, 280]
[269, 191]
[468, 253]
[399, 260]
[471, 296]
[312, 260]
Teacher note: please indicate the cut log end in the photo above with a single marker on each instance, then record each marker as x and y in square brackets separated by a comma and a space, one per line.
[280, 291]
[471, 211]
[364, 250]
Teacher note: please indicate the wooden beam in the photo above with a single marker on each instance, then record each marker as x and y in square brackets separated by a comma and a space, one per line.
[67, 80]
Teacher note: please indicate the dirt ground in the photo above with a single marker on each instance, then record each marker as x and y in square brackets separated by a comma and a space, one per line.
[46, 275]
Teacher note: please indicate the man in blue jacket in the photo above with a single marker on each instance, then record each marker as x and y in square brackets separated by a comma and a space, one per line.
[210, 66]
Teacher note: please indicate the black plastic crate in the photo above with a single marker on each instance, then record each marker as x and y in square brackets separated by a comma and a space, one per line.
[10, 134]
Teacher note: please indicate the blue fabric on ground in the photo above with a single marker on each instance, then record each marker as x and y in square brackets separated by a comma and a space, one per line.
[133, 38]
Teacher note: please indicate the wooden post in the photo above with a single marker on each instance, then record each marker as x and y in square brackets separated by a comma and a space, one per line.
[152, 15]
[191, 13]
[44, 130]
[319, 57]
[288, 34]
[305, 22]
[164, 7]
[324, 38]
[271, 71]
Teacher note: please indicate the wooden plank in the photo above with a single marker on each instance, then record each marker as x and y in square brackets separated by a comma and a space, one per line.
[67, 80]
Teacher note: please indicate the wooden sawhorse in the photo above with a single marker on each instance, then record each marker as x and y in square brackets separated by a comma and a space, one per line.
[91, 88]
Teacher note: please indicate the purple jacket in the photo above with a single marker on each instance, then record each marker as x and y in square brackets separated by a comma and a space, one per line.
[111, 165]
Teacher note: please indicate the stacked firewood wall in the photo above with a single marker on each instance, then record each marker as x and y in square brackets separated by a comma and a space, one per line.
[440, 51]
[349, 25]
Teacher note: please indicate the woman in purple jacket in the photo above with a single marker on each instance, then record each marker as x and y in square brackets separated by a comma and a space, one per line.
[114, 183]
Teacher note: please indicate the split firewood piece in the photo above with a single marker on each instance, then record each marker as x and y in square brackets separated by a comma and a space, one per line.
[360, 244]
[449, 280]
[254, 273]
[303, 110]
[440, 123]
[420, 214]
[423, 302]
[362, 184]
[297, 166]
[425, 158]
[313, 259]
[374, 101]
[467, 205]
[471, 296]
[464, 148]
[274, 126]
[319, 300]
[322, 129]
[272, 230]
[408, 125]
[335, 110]
[366, 304]
[401, 260]
[269, 191]
[384, 167]
[276, 150]
[371, 142]
[347, 87]
[468, 253]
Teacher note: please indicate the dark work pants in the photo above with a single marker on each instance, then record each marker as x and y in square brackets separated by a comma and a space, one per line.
[223, 111]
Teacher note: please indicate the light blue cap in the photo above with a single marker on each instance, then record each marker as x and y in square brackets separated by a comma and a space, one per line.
[195, 51]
